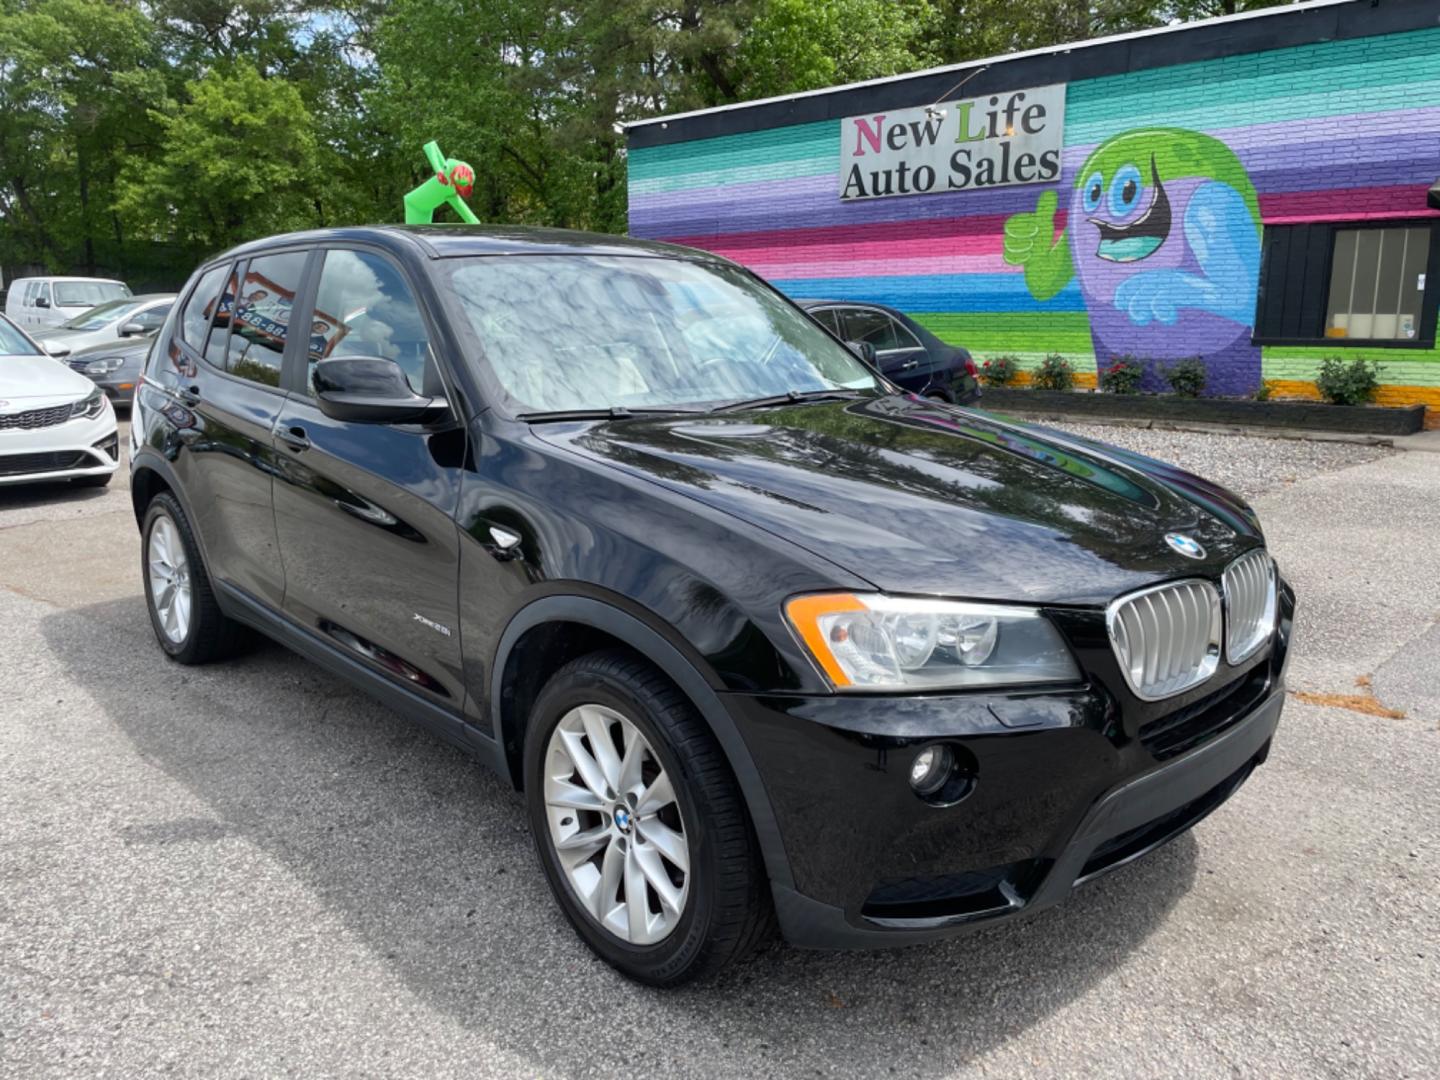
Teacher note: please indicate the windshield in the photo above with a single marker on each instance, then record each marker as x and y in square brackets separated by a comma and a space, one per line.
[13, 342]
[88, 293]
[97, 318]
[564, 332]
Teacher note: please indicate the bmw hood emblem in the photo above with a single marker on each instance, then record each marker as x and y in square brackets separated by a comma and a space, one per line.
[1191, 549]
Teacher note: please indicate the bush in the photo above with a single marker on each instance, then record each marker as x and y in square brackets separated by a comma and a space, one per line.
[1122, 376]
[1187, 377]
[1263, 391]
[1351, 382]
[1054, 373]
[1000, 370]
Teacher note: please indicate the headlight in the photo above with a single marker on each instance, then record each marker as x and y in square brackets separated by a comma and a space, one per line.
[103, 365]
[874, 642]
[90, 406]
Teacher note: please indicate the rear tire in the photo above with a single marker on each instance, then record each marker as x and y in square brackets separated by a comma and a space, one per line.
[623, 835]
[184, 613]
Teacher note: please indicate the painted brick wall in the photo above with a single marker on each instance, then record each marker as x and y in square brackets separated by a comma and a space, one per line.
[1336, 131]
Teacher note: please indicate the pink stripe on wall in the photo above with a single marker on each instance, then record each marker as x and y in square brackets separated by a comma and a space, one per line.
[805, 264]
[1345, 204]
[977, 235]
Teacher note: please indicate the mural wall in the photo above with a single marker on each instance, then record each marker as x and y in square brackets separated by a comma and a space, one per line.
[1148, 245]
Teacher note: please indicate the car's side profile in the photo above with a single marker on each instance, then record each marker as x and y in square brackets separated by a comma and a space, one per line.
[906, 353]
[37, 302]
[762, 639]
[54, 424]
[109, 323]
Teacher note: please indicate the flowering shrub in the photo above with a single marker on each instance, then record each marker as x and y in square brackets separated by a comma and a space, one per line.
[999, 370]
[1352, 383]
[1122, 376]
[1054, 373]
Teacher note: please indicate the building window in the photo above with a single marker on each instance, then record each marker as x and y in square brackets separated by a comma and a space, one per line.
[1377, 280]
[1371, 285]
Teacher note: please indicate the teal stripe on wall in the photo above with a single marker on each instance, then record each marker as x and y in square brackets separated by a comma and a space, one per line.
[797, 142]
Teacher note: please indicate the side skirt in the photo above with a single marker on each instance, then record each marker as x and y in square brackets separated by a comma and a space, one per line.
[448, 725]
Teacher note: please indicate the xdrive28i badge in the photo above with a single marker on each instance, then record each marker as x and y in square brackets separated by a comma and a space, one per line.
[1191, 549]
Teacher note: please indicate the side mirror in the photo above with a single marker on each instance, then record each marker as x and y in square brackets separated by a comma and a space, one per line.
[864, 350]
[132, 329]
[42, 301]
[55, 349]
[371, 390]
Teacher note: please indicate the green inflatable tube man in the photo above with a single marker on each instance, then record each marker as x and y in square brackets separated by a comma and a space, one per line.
[452, 183]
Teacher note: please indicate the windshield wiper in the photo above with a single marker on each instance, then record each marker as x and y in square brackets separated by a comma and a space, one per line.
[790, 397]
[614, 412]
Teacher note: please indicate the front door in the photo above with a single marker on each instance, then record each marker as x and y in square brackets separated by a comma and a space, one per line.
[365, 512]
[898, 355]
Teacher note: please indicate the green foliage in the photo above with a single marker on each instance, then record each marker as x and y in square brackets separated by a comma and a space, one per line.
[1186, 377]
[1054, 373]
[999, 370]
[1263, 392]
[1122, 376]
[136, 135]
[1348, 382]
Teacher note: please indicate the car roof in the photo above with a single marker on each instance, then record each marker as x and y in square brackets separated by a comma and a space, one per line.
[447, 241]
[61, 277]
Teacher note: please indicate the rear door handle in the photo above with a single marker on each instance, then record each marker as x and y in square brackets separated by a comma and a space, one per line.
[293, 437]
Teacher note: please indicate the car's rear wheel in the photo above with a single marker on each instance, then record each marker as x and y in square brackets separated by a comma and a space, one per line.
[639, 824]
[186, 618]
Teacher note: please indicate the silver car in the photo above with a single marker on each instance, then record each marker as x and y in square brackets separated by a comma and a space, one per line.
[132, 316]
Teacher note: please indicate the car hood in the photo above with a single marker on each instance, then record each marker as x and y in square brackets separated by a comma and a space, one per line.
[75, 338]
[30, 382]
[923, 498]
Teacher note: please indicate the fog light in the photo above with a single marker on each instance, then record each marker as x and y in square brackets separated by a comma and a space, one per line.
[930, 769]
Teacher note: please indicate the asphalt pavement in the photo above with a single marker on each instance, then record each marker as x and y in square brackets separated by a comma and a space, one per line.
[250, 870]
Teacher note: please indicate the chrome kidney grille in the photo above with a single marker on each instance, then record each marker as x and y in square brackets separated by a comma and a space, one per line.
[1167, 638]
[1249, 604]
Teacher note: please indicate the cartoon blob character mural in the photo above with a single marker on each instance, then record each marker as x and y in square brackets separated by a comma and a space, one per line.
[1163, 232]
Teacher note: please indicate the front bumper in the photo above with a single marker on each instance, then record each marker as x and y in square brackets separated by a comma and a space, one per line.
[1066, 787]
[84, 447]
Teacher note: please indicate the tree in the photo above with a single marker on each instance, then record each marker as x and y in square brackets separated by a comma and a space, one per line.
[237, 160]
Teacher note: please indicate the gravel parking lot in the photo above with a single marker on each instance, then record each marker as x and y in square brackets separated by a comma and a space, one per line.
[249, 870]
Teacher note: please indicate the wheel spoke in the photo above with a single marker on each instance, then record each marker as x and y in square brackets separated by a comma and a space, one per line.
[579, 846]
[666, 841]
[602, 746]
[649, 862]
[612, 868]
[637, 911]
[590, 772]
[630, 781]
[657, 796]
[564, 793]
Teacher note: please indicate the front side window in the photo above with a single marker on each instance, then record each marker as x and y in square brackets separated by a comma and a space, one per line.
[32, 290]
[88, 293]
[564, 332]
[1377, 283]
[152, 318]
[829, 318]
[261, 323]
[364, 307]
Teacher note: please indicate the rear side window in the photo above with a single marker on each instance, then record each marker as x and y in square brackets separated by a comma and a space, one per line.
[200, 308]
[873, 327]
[221, 317]
[261, 322]
[364, 307]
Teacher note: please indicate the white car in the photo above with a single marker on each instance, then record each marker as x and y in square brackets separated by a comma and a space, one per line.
[55, 424]
[35, 302]
[107, 323]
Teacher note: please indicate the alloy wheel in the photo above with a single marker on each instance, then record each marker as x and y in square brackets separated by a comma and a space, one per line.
[169, 579]
[615, 825]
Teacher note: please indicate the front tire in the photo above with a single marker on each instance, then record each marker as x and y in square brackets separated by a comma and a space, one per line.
[639, 824]
[184, 613]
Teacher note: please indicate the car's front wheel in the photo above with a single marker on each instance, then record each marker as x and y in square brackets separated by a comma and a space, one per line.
[639, 824]
[187, 620]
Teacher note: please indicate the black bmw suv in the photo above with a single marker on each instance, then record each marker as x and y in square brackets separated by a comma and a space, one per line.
[761, 637]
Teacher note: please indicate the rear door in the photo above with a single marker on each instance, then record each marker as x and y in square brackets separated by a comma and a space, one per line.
[365, 512]
[223, 368]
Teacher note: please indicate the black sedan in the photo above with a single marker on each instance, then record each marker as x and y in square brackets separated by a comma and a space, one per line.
[114, 366]
[905, 352]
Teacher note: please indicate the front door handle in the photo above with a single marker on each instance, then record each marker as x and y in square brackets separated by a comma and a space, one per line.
[293, 437]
